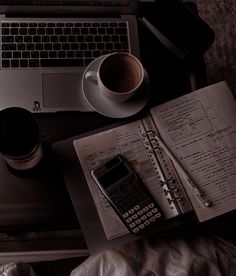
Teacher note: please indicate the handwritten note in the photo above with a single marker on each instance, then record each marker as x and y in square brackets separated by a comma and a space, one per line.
[200, 129]
[126, 140]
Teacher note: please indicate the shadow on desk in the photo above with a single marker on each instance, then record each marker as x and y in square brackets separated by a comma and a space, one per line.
[35, 198]
[37, 214]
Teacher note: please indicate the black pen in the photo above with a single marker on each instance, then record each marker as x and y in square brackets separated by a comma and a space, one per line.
[170, 46]
[163, 39]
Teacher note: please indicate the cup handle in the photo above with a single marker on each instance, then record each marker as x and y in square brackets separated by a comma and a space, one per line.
[92, 77]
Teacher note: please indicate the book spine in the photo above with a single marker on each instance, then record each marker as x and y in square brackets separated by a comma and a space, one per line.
[164, 169]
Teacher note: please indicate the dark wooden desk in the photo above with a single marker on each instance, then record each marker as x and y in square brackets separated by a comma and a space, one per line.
[169, 78]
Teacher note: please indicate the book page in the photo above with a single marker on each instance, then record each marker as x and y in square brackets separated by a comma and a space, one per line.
[100, 147]
[200, 130]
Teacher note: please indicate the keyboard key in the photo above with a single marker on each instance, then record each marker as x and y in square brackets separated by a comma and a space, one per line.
[36, 38]
[58, 31]
[60, 24]
[24, 24]
[14, 63]
[28, 38]
[41, 31]
[26, 54]
[44, 54]
[30, 46]
[79, 54]
[24, 63]
[6, 55]
[4, 24]
[35, 54]
[32, 31]
[70, 54]
[49, 31]
[39, 46]
[62, 54]
[5, 63]
[14, 31]
[7, 39]
[32, 25]
[8, 47]
[5, 31]
[19, 39]
[34, 63]
[23, 31]
[51, 25]
[17, 54]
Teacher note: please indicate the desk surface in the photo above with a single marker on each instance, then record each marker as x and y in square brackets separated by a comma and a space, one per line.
[45, 204]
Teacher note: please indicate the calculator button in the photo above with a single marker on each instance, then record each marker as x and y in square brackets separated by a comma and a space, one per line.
[149, 214]
[132, 225]
[131, 211]
[154, 211]
[138, 221]
[145, 209]
[134, 216]
[141, 226]
[136, 208]
[140, 213]
[151, 205]
[157, 215]
[125, 215]
[129, 220]
[135, 230]
[144, 217]
[147, 222]
[152, 219]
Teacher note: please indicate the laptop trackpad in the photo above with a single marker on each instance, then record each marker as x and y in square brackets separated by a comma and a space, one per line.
[61, 90]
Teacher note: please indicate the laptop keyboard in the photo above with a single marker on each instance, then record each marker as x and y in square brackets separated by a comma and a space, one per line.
[62, 44]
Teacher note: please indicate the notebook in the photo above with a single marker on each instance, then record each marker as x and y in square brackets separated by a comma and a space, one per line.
[194, 163]
[46, 45]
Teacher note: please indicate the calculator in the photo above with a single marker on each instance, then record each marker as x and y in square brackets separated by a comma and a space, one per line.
[127, 194]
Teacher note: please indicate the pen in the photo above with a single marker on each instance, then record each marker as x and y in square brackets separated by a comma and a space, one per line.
[170, 46]
[197, 192]
[163, 39]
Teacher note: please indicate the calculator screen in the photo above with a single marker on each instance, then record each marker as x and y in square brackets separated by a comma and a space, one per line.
[113, 175]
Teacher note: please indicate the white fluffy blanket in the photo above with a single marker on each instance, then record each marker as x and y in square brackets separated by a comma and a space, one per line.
[176, 257]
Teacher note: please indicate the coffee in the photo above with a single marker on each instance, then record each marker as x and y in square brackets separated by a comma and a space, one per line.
[119, 76]
[120, 73]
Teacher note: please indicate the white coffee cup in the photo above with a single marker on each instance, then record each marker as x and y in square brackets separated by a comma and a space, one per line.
[119, 76]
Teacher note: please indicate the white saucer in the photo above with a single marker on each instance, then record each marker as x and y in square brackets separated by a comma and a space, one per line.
[108, 108]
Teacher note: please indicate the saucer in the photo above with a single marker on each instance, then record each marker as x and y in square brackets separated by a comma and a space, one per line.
[108, 108]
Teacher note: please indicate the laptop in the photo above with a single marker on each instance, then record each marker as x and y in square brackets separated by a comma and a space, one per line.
[46, 46]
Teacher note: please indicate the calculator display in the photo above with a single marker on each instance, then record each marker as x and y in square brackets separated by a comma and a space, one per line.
[113, 175]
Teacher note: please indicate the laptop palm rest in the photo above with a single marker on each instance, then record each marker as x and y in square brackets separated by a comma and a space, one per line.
[63, 90]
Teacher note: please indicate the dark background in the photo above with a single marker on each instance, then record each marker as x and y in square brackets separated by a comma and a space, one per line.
[220, 65]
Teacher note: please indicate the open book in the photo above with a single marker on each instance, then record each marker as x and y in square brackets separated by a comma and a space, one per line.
[199, 129]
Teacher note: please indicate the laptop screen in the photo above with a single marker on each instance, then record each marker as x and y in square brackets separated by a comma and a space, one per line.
[69, 6]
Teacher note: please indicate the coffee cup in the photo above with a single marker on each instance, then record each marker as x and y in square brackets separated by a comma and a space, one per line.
[119, 76]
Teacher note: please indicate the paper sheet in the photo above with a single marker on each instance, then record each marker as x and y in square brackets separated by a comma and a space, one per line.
[200, 129]
[98, 148]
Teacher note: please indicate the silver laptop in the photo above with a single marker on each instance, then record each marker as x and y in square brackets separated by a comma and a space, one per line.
[46, 46]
